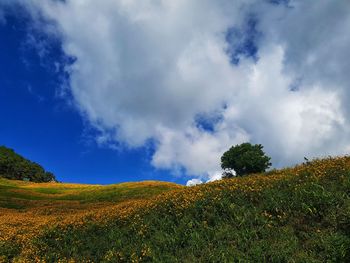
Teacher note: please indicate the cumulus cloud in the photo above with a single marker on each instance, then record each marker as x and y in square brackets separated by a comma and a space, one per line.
[193, 182]
[147, 71]
[215, 176]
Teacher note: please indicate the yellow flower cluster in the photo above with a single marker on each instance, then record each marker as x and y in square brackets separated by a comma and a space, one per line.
[20, 226]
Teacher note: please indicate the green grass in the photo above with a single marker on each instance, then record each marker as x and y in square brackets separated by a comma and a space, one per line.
[51, 191]
[18, 191]
[116, 193]
[293, 215]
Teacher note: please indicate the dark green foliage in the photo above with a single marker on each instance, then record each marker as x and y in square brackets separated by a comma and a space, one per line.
[8, 251]
[13, 166]
[245, 159]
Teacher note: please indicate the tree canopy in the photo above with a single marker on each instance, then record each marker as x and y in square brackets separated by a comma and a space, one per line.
[13, 166]
[245, 159]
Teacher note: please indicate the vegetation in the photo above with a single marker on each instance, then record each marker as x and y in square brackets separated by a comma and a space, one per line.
[245, 159]
[16, 167]
[26, 209]
[299, 214]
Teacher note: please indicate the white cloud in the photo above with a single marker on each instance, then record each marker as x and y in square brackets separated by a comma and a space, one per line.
[146, 70]
[215, 176]
[198, 151]
[193, 182]
[211, 177]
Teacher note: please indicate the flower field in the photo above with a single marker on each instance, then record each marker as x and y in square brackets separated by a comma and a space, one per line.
[26, 209]
[299, 214]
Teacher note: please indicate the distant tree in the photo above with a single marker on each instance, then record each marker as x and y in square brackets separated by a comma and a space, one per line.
[244, 159]
[13, 166]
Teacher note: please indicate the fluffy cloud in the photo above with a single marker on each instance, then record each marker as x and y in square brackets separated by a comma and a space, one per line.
[150, 70]
[193, 182]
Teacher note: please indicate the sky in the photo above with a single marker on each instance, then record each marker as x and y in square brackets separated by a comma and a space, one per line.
[126, 90]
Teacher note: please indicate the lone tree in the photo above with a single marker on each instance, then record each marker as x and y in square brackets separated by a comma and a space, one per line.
[245, 159]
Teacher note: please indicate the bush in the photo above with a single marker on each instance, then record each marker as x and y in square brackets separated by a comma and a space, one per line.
[245, 159]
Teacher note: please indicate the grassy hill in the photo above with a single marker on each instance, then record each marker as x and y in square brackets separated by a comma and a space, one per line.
[299, 214]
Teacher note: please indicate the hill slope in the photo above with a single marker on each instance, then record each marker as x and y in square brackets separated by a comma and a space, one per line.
[26, 208]
[299, 214]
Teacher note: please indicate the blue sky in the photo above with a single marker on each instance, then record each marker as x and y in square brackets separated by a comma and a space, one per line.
[45, 128]
[128, 90]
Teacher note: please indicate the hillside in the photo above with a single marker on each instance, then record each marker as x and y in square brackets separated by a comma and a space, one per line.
[15, 167]
[299, 214]
[27, 208]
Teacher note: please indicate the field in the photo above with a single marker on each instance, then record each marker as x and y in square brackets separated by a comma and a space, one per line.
[299, 214]
[27, 208]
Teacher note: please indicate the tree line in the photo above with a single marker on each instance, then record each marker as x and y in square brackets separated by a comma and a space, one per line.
[14, 166]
